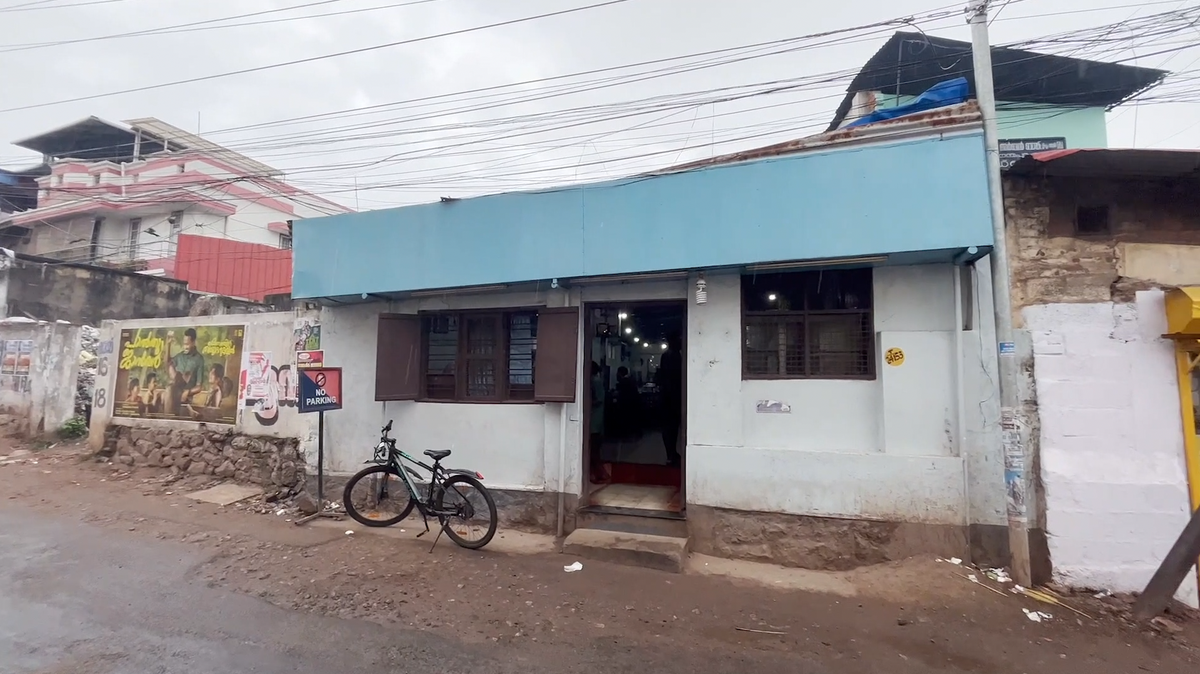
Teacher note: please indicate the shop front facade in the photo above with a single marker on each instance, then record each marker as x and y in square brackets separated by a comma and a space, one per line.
[752, 348]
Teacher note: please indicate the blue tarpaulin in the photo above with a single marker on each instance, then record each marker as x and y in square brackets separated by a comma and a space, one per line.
[950, 92]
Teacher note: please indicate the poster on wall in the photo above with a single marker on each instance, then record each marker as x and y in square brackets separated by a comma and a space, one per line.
[258, 374]
[24, 357]
[16, 358]
[307, 335]
[12, 349]
[183, 373]
[310, 359]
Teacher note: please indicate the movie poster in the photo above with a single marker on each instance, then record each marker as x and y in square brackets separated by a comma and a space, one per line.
[183, 373]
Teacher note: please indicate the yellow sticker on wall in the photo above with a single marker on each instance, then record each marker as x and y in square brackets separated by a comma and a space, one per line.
[894, 357]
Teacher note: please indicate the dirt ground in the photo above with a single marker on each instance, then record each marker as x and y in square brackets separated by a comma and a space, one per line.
[921, 615]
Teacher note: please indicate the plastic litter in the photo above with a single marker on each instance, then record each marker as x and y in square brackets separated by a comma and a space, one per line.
[1037, 616]
[998, 575]
[572, 568]
[349, 532]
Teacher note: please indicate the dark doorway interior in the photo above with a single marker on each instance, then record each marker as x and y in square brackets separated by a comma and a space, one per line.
[635, 397]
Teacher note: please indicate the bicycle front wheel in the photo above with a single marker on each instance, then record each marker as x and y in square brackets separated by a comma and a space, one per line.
[468, 511]
[377, 497]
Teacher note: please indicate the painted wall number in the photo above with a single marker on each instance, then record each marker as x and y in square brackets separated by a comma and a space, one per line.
[894, 357]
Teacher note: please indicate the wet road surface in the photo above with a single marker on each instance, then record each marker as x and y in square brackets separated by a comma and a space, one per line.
[76, 599]
[81, 600]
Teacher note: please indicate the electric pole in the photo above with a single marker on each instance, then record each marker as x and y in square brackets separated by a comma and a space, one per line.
[1016, 480]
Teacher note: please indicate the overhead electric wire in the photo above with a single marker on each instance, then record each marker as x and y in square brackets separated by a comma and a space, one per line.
[197, 26]
[311, 59]
[603, 83]
[28, 8]
[585, 121]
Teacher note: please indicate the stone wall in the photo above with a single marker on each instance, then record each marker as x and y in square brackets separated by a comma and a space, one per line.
[268, 462]
[820, 543]
[1051, 263]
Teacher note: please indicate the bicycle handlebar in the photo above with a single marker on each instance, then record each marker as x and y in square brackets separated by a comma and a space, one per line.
[387, 429]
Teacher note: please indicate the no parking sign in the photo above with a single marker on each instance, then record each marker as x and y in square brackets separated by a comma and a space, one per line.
[320, 389]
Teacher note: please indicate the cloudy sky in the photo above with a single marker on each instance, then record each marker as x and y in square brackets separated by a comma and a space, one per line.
[488, 109]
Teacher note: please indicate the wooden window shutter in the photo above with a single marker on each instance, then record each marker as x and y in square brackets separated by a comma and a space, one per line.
[556, 358]
[398, 357]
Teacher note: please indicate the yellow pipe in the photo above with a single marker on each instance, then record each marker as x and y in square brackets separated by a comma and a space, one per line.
[1191, 443]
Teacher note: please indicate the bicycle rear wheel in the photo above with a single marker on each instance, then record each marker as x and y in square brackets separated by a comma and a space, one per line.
[373, 497]
[474, 521]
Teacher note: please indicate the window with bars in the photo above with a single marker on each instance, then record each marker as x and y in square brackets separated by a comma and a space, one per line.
[479, 356]
[815, 324]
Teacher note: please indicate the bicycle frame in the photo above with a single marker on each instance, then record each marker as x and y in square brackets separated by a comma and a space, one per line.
[386, 453]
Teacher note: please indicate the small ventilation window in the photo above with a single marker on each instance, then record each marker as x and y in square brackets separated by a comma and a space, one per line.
[1091, 220]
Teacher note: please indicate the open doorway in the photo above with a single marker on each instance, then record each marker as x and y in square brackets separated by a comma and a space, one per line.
[635, 402]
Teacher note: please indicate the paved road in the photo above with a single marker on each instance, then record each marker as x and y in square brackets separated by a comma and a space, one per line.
[76, 599]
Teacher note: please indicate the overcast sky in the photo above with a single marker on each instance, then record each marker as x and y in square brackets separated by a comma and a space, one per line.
[389, 158]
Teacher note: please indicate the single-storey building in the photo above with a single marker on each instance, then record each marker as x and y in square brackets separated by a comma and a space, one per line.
[788, 352]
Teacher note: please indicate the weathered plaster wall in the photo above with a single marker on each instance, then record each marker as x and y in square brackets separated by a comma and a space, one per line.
[848, 449]
[1109, 439]
[851, 449]
[1051, 263]
[515, 446]
[39, 368]
[273, 415]
[86, 295]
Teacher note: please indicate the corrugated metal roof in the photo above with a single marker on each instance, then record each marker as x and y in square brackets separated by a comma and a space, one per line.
[233, 268]
[1110, 163]
[909, 63]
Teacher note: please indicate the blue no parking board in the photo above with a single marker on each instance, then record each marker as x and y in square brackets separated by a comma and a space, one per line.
[320, 389]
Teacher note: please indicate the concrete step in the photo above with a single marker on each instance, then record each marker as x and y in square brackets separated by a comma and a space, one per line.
[664, 553]
[632, 521]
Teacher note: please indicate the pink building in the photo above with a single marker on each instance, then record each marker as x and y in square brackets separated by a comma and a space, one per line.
[122, 194]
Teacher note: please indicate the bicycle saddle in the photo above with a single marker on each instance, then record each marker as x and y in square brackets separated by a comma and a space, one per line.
[437, 454]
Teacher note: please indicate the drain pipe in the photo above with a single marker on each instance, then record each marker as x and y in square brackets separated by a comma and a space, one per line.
[960, 390]
[562, 463]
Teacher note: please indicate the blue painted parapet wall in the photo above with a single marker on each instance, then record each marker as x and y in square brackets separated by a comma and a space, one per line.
[923, 195]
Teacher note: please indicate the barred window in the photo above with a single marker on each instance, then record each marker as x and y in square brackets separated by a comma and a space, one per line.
[480, 356]
[813, 324]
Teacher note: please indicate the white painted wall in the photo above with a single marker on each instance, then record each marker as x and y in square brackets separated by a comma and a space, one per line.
[886, 448]
[43, 399]
[273, 333]
[1111, 441]
[515, 446]
[845, 450]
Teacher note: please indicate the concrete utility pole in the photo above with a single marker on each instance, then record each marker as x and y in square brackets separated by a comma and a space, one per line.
[1016, 481]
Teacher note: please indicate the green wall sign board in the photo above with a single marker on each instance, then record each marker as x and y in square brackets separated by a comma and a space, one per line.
[1014, 149]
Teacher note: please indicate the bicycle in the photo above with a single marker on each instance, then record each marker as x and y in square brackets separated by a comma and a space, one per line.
[444, 483]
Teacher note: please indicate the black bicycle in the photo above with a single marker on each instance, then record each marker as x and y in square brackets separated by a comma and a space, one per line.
[456, 497]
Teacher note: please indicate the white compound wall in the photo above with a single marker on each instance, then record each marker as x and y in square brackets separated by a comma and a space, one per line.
[1111, 441]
